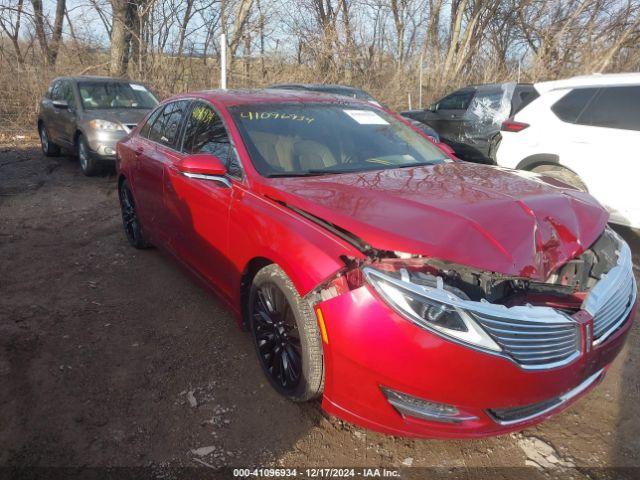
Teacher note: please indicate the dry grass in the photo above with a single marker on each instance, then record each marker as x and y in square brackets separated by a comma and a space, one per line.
[22, 87]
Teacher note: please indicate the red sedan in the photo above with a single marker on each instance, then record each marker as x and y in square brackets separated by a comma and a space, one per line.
[416, 294]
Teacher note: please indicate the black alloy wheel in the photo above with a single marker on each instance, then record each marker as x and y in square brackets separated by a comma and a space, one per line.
[130, 221]
[277, 338]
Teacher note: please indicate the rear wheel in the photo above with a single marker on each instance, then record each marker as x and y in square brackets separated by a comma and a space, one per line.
[286, 336]
[130, 222]
[563, 174]
[49, 148]
[89, 165]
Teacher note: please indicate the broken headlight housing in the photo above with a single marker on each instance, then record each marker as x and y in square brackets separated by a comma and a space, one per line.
[431, 307]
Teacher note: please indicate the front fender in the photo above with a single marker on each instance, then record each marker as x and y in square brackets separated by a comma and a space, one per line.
[307, 253]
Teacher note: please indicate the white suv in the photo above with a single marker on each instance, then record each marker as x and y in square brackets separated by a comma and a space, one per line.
[586, 132]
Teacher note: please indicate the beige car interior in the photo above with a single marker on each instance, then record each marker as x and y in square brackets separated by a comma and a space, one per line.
[290, 154]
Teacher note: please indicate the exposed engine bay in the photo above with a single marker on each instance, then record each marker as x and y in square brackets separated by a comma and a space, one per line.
[565, 289]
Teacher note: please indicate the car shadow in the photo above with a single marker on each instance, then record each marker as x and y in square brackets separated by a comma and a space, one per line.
[111, 356]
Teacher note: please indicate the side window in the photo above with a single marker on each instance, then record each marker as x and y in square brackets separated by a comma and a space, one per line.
[166, 126]
[614, 107]
[569, 107]
[67, 94]
[456, 101]
[522, 97]
[56, 90]
[146, 128]
[205, 133]
[49, 93]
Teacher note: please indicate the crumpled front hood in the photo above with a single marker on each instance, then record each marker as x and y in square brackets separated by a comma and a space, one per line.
[489, 218]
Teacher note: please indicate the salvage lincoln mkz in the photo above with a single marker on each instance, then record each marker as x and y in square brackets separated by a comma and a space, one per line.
[416, 294]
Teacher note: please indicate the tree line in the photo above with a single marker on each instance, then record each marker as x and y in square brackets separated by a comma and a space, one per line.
[387, 46]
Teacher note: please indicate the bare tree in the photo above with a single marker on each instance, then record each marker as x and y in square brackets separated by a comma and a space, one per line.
[124, 18]
[10, 22]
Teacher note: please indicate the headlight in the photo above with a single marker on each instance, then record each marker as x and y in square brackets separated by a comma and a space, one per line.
[430, 308]
[105, 125]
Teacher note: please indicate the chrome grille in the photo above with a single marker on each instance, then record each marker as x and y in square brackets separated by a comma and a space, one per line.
[612, 298]
[534, 344]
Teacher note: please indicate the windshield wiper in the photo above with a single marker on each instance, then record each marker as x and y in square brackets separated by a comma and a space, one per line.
[293, 174]
[313, 172]
[328, 171]
[421, 164]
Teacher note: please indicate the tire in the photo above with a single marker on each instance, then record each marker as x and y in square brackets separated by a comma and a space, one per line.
[563, 174]
[89, 165]
[130, 221]
[286, 336]
[49, 148]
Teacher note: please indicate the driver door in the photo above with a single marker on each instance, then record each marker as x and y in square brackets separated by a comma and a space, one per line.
[62, 123]
[198, 209]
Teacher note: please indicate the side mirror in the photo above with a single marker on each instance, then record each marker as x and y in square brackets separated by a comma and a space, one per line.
[203, 166]
[62, 104]
[433, 107]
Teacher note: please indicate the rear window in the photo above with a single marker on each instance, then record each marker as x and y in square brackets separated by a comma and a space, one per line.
[569, 107]
[522, 97]
[614, 107]
[456, 101]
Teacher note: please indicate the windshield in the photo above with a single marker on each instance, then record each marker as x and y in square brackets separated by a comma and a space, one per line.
[99, 95]
[315, 139]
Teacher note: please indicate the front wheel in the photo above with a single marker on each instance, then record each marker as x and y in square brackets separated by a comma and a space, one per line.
[286, 336]
[88, 163]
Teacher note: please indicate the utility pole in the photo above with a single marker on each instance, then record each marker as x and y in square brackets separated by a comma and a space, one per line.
[223, 61]
[420, 82]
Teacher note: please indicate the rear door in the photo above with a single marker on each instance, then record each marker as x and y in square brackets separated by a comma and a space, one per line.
[605, 140]
[153, 155]
[490, 106]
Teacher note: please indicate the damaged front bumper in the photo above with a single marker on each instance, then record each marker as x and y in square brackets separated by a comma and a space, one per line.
[389, 370]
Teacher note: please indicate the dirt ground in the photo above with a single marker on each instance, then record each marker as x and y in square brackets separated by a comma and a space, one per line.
[115, 357]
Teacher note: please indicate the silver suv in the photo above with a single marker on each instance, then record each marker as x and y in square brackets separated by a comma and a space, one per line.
[88, 115]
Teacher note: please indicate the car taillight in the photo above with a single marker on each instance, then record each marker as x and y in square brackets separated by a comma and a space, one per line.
[513, 126]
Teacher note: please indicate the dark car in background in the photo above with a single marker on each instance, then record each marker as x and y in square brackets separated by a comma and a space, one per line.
[424, 128]
[469, 119]
[343, 90]
[88, 115]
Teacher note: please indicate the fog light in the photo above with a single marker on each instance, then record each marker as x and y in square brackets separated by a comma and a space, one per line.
[410, 406]
[109, 151]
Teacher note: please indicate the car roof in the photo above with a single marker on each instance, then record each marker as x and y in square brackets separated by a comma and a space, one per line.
[596, 80]
[316, 86]
[230, 98]
[96, 78]
[500, 84]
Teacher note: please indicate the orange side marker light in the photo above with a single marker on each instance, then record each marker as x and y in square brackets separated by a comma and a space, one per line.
[323, 328]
